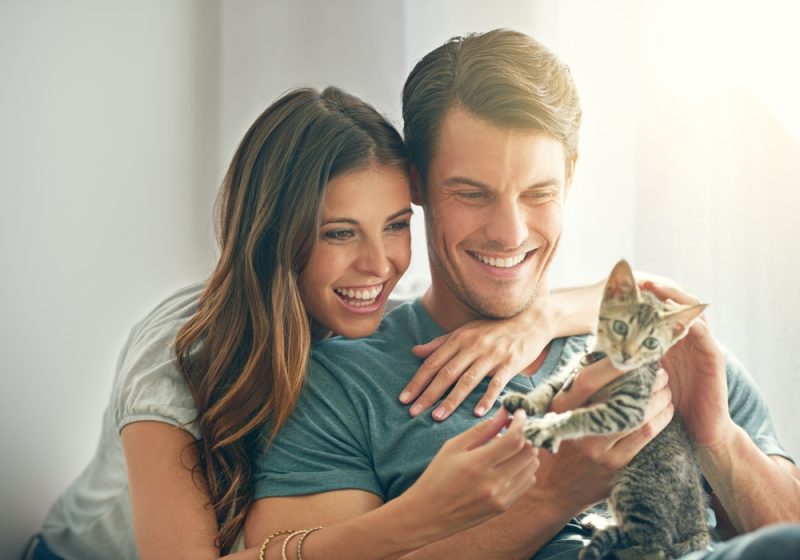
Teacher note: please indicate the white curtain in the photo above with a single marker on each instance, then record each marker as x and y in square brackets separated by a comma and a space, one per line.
[689, 163]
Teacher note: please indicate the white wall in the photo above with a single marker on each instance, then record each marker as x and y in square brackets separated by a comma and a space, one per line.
[107, 126]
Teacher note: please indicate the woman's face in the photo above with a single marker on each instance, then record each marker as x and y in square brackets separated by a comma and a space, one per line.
[363, 249]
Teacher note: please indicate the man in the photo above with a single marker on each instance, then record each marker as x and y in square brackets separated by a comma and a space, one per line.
[491, 123]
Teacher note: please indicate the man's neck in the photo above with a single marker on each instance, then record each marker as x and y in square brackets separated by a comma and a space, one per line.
[449, 313]
[445, 309]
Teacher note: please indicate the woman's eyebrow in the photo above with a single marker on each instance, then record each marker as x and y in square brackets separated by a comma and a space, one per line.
[400, 213]
[355, 222]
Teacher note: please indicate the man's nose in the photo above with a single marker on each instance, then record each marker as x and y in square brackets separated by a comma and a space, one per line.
[507, 225]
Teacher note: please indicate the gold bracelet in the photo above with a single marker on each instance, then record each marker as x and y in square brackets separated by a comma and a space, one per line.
[300, 542]
[269, 538]
[286, 541]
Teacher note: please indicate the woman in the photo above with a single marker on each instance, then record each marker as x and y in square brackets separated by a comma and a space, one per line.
[203, 375]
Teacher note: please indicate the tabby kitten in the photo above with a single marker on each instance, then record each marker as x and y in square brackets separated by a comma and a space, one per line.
[657, 502]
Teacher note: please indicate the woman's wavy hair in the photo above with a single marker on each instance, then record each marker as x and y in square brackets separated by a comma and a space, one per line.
[244, 352]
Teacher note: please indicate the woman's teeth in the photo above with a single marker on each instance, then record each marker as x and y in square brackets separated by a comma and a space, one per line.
[360, 296]
[501, 262]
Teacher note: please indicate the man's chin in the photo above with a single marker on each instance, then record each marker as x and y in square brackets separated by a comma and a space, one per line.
[493, 309]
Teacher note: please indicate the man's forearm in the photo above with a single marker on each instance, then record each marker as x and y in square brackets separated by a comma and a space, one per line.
[754, 489]
[516, 534]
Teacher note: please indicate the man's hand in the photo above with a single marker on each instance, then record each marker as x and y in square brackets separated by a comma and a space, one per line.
[699, 384]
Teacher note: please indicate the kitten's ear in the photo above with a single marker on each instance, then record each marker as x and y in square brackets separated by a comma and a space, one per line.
[621, 284]
[681, 319]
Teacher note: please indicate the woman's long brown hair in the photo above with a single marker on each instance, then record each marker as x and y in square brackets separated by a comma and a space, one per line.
[244, 352]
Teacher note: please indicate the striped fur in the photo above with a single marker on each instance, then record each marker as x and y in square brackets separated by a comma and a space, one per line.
[657, 503]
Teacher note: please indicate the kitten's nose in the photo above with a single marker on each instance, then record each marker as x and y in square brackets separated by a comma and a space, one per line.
[625, 356]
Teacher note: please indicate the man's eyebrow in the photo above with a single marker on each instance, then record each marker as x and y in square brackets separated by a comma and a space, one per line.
[351, 221]
[458, 180]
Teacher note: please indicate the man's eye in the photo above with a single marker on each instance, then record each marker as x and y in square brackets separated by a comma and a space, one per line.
[339, 235]
[541, 196]
[472, 195]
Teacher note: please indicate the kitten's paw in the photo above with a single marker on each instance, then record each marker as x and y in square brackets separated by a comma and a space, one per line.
[543, 435]
[595, 522]
[514, 401]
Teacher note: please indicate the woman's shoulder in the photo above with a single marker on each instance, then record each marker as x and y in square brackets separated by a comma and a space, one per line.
[148, 384]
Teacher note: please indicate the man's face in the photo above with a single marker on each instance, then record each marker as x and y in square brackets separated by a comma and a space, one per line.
[493, 217]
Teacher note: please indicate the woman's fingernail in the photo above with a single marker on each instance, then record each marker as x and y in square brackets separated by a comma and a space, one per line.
[416, 409]
[440, 413]
[405, 396]
[480, 410]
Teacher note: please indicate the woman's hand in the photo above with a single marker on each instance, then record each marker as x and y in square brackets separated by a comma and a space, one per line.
[474, 476]
[499, 349]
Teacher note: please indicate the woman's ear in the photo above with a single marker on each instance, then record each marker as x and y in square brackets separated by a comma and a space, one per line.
[416, 186]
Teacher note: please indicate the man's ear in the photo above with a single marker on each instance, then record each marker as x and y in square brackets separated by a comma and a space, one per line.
[416, 186]
[570, 174]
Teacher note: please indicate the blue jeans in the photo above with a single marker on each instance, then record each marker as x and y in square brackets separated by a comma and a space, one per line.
[774, 542]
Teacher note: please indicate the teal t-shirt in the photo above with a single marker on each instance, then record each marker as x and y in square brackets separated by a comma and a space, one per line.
[350, 431]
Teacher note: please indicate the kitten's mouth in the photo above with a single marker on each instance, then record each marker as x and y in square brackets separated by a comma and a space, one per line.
[500, 261]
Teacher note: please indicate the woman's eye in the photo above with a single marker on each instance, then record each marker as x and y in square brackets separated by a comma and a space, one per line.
[620, 327]
[339, 235]
[650, 343]
[398, 226]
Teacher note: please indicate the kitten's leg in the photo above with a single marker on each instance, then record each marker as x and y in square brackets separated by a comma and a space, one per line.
[698, 541]
[537, 401]
[624, 411]
[604, 542]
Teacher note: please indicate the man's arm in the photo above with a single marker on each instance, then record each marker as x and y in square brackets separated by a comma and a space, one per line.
[754, 488]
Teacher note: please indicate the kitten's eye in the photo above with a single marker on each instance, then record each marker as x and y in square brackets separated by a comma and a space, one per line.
[620, 327]
[650, 343]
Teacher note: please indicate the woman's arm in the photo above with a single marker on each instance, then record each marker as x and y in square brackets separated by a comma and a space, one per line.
[468, 482]
[171, 516]
[499, 349]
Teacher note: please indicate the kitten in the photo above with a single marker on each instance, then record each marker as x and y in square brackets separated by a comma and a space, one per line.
[657, 502]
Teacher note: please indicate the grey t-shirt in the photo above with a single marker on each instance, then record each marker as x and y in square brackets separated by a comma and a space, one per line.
[92, 518]
[350, 431]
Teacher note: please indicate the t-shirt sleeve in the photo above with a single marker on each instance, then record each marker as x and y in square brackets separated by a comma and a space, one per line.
[749, 409]
[322, 447]
[148, 385]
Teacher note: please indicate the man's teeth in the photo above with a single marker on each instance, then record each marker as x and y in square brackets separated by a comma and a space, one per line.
[501, 262]
[367, 295]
